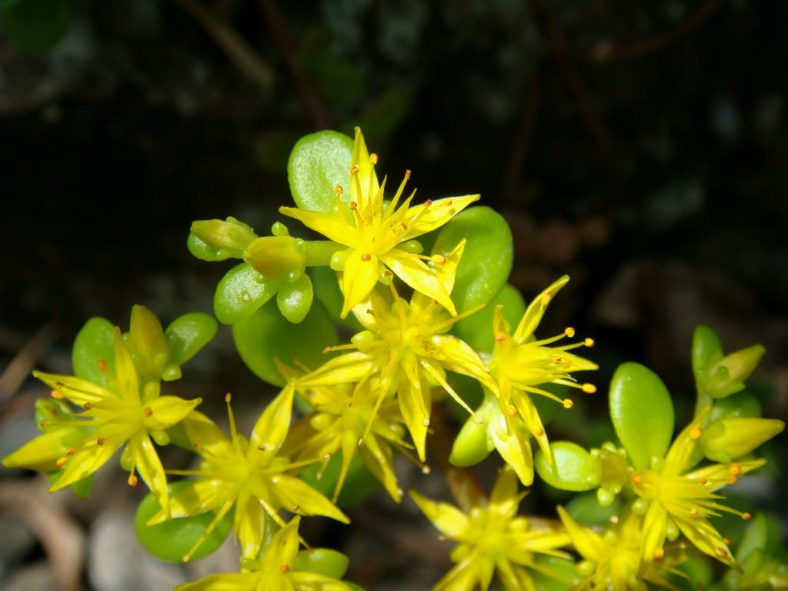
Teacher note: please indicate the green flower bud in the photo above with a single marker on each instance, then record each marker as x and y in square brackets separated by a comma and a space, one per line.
[280, 258]
[727, 375]
[148, 345]
[730, 438]
[231, 235]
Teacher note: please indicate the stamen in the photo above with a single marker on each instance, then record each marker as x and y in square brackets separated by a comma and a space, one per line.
[44, 424]
[71, 452]
[696, 433]
[659, 554]
[589, 388]
[373, 158]
[727, 542]
[286, 568]
[539, 431]
[589, 342]
[637, 479]
[721, 552]
[568, 403]
[731, 479]
[147, 411]
[746, 516]
[338, 190]
[354, 170]
[439, 259]
[100, 441]
[407, 174]
[133, 480]
[366, 256]
[511, 410]
[102, 365]
[569, 331]
[702, 480]
[500, 337]
[353, 205]
[61, 462]
[735, 469]
[57, 394]
[86, 405]
[694, 512]
[546, 299]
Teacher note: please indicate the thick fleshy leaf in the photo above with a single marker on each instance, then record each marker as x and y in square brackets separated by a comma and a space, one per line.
[487, 260]
[731, 438]
[204, 252]
[266, 335]
[471, 445]
[706, 351]
[94, 344]
[642, 413]
[322, 561]
[573, 467]
[188, 334]
[477, 329]
[326, 289]
[240, 292]
[170, 540]
[318, 163]
[295, 299]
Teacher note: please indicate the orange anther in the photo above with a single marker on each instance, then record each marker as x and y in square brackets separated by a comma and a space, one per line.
[727, 542]
[568, 403]
[721, 552]
[746, 516]
[702, 480]
[86, 405]
[44, 424]
[57, 394]
[735, 469]
[659, 554]
[511, 410]
[569, 331]
[100, 441]
[589, 342]
[147, 411]
[133, 480]
[71, 452]
[285, 568]
[227, 398]
[637, 479]
[353, 205]
[338, 190]
[61, 462]
[731, 479]
[499, 337]
[539, 432]
[589, 388]
[354, 170]
[439, 259]
[694, 512]
[695, 433]
[102, 365]
[407, 174]
[366, 256]
[428, 202]
[373, 158]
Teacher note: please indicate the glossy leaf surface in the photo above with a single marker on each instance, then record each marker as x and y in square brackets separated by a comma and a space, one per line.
[318, 163]
[573, 467]
[240, 292]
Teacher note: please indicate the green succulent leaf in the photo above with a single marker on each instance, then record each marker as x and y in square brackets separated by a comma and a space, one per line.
[204, 252]
[318, 164]
[642, 413]
[359, 482]
[240, 292]
[295, 299]
[573, 467]
[472, 445]
[266, 336]
[487, 259]
[585, 508]
[171, 540]
[741, 404]
[476, 329]
[322, 561]
[706, 351]
[93, 344]
[188, 334]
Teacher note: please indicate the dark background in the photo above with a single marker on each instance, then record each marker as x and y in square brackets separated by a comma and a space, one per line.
[639, 146]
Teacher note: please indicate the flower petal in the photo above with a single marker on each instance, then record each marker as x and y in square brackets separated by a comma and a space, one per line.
[536, 309]
[437, 213]
[589, 544]
[283, 547]
[419, 276]
[223, 582]
[331, 226]
[358, 278]
[298, 497]
[448, 519]
[86, 461]
[271, 428]
[166, 411]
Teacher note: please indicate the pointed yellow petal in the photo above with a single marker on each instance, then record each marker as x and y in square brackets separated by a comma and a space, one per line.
[345, 369]
[419, 276]
[589, 544]
[198, 497]
[128, 387]
[283, 547]
[76, 390]
[146, 461]
[536, 309]
[514, 446]
[437, 213]
[42, 452]
[206, 436]
[166, 411]
[86, 461]
[271, 428]
[331, 226]
[504, 498]
[413, 404]
[448, 519]
[367, 179]
[380, 462]
[223, 582]
[249, 524]
[358, 278]
[655, 527]
[298, 497]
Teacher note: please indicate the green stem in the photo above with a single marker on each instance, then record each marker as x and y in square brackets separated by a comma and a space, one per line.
[319, 252]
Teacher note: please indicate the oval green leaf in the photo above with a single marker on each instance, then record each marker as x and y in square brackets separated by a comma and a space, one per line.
[573, 467]
[322, 561]
[295, 299]
[642, 413]
[202, 251]
[172, 539]
[240, 292]
[266, 335]
[188, 334]
[318, 163]
[487, 259]
[94, 343]
[471, 446]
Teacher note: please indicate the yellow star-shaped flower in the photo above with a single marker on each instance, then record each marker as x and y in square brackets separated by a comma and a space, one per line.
[374, 233]
[122, 413]
[491, 539]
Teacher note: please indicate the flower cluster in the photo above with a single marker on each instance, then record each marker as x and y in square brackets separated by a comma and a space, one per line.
[427, 328]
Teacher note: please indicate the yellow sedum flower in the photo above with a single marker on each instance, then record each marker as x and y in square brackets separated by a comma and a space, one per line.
[521, 364]
[491, 538]
[374, 233]
[122, 413]
[341, 418]
[612, 560]
[248, 475]
[275, 571]
[406, 345]
[681, 501]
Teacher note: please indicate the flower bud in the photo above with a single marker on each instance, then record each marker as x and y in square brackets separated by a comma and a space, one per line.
[147, 344]
[731, 438]
[232, 235]
[277, 257]
[727, 375]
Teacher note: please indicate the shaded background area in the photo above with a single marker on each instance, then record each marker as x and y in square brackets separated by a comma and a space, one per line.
[640, 147]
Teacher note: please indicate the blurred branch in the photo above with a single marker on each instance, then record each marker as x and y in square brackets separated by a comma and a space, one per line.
[19, 368]
[239, 52]
[307, 92]
[556, 41]
[606, 51]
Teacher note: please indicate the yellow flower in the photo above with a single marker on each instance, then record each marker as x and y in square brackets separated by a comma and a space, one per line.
[491, 538]
[406, 345]
[681, 502]
[520, 364]
[612, 560]
[341, 418]
[374, 233]
[249, 475]
[113, 416]
[276, 571]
